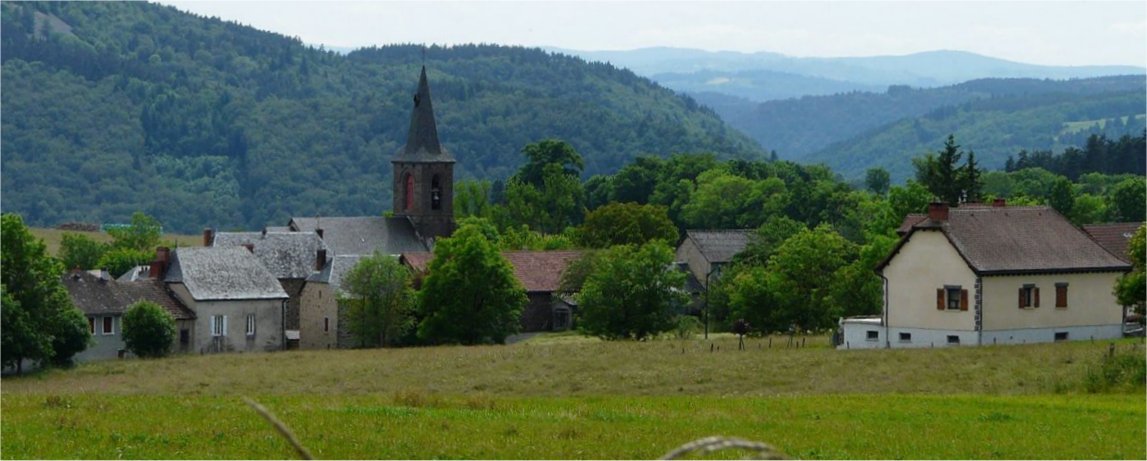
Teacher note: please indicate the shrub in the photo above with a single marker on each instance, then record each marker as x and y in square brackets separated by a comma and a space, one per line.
[1119, 372]
[148, 330]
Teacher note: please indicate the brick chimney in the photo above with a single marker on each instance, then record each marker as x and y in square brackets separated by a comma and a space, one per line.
[999, 203]
[938, 211]
[320, 259]
[162, 260]
[208, 237]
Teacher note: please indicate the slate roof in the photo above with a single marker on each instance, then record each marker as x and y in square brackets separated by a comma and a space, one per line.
[94, 295]
[1018, 240]
[363, 235]
[288, 255]
[222, 273]
[335, 269]
[911, 219]
[720, 245]
[1114, 236]
[422, 140]
[538, 271]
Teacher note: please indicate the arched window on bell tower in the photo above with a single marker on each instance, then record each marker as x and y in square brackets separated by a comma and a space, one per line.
[409, 192]
[435, 194]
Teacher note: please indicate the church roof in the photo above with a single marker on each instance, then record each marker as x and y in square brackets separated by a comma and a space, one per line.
[362, 235]
[422, 140]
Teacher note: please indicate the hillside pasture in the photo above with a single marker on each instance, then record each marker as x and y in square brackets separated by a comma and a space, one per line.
[53, 237]
[569, 398]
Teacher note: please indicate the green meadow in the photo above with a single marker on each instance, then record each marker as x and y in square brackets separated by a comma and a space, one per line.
[572, 398]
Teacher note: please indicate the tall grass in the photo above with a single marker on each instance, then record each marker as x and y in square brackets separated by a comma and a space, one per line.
[568, 397]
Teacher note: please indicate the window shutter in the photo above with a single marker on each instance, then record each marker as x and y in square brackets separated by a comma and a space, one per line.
[1021, 304]
[963, 300]
[212, 325]
[1061, 296]
[1035, 294]
[940, 299]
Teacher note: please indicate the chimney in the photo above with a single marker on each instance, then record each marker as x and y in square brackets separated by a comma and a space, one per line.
[162, 260]
[320, 259]
[249, 246]
[208, 237]
[938, 211]
[319, 231]
[999, 203]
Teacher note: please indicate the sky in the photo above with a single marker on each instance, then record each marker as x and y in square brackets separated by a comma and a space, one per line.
[1036, 32]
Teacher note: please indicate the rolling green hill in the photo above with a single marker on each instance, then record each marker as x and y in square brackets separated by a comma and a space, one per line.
[115, 107]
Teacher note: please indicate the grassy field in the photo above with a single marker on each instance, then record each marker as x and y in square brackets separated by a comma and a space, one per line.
[52, 238]
[568, 397]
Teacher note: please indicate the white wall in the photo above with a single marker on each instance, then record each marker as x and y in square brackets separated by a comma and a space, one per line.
[924, 264]
[1090, 302]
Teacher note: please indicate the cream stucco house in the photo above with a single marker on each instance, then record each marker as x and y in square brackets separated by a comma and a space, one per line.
[977, 275]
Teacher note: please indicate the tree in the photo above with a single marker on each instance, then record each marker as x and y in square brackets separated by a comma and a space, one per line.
[142, 234]
[1128, 200]
[472, 198]
[549, 152]
[379, 300]
[78, 251]
[945, 179]
[120, 260]
[626, 223]
[1062, 197]
[804, 270]
[877, 180]
[1131, 288]
[971, 180]
[768, 238]
[40, 323]
[148, 330]
[470, 294]
[631, 292]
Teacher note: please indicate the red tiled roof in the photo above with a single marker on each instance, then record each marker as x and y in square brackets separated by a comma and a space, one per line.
[538, 271]
[1114, 236]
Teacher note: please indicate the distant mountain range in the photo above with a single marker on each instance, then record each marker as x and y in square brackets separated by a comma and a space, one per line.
[765, 76]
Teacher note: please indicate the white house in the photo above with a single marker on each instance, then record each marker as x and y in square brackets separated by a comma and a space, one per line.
[979, 274]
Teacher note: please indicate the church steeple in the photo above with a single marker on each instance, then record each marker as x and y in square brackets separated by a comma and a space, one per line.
[422, 139]
[424, 172]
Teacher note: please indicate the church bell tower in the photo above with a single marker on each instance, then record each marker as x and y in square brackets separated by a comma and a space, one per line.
[424, 172]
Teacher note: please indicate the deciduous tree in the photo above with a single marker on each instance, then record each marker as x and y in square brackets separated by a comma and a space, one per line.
[631, 292]
[626, 223]
[379, 301]
[148, 330]
[470, 294]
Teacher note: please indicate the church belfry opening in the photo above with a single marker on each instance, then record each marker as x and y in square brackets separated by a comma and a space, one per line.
[424, 172]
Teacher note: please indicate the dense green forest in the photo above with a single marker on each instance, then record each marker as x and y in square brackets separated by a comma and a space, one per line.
[854, 131]
[116, 107]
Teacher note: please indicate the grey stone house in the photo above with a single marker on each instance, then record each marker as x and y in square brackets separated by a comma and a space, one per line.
[290, 256]
[238, 302]
[705, 252]
[104, 300]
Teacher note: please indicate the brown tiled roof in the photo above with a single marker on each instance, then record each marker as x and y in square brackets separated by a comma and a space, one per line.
[1114, 236]
[910, 220]
[720, 245]
[538, 271]
[95, 296]
[1017, 240]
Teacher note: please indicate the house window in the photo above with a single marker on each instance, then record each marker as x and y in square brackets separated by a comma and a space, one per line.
[872, 335]
[1029, 296]
[184, 337]
[953, 339]
[92, 325]
[109, 326]
[250, 324]
[952, 298]
[1061, 336]
[905, 337]
[218, 325]
[1061, 295]
[326, 324]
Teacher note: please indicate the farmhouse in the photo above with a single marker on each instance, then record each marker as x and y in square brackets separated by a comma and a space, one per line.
[104, 300]
[991, 275]
[706, 252]
[239, 305]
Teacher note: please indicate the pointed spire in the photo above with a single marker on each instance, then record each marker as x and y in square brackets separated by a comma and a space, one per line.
[422, 139]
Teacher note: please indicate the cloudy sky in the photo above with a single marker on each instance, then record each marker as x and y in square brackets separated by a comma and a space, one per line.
[1037, 32]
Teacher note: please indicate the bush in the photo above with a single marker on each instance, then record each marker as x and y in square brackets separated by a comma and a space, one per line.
[688, 326]
[1119, 372]
[148, 330]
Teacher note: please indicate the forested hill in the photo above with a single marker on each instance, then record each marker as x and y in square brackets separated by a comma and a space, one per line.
[115, 107]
